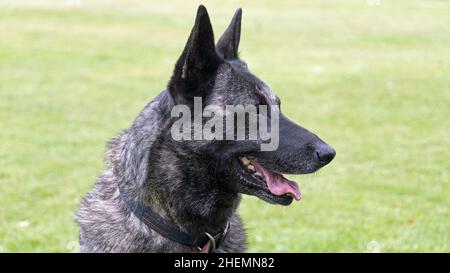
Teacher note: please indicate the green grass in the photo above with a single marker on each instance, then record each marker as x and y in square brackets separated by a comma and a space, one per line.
[372, 80]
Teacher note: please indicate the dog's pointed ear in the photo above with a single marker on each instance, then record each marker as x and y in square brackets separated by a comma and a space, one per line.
[228, 44]
[198, 62]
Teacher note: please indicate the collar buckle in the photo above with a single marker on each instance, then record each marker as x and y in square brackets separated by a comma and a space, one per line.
[213, 245]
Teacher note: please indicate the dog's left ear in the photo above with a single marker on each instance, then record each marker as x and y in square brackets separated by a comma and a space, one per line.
[198, 62]
[228, 44]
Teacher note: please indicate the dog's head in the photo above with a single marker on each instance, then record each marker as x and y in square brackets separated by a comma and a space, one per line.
[215, 73]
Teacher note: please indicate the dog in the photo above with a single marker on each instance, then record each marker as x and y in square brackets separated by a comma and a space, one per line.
[163, 195]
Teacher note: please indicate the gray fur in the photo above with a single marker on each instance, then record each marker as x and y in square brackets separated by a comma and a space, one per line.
[107, 225]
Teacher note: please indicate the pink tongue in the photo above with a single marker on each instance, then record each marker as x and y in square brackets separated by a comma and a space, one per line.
[278, 185]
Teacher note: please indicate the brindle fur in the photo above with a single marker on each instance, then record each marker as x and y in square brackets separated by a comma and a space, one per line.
[193, 184]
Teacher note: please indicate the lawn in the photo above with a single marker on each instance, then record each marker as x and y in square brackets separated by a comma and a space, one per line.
[372, 78]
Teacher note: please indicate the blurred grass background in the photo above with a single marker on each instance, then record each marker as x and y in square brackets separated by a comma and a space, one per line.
[370, 77]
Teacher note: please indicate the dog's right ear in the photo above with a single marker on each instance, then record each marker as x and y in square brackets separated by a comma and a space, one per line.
[198, 62]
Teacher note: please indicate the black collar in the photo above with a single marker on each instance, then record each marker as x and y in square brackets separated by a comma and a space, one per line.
[169, 230]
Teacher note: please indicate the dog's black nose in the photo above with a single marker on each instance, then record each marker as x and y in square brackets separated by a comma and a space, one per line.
[325, 153]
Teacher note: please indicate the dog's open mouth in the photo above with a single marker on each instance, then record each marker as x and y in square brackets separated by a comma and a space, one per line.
[268, 185]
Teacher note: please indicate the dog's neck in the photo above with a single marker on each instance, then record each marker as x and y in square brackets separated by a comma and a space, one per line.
[168, 180]
[188, 196]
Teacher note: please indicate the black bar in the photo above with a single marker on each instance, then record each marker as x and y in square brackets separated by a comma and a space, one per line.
[261, 262]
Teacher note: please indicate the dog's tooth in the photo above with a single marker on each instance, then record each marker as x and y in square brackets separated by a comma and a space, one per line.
[258, 174]
[245, 160]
